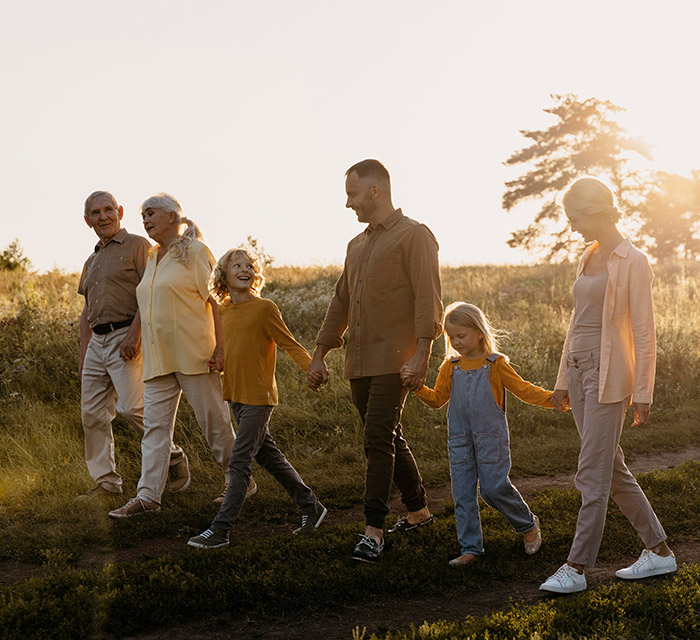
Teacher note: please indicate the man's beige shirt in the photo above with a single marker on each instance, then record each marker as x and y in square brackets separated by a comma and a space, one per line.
[110, 276]
[177, 327]
[387, 296]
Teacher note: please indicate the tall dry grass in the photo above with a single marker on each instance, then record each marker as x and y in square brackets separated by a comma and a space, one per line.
[41, 444]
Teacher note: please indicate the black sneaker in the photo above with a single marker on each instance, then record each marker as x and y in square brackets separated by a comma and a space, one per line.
[367, 549]
[312, 521]
[209, 539]
[403, 525]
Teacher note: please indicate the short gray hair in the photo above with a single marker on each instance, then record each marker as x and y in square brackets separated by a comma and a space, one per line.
[96, 194]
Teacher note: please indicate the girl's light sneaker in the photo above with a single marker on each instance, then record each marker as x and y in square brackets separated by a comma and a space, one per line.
[565, 580]
[648, 564]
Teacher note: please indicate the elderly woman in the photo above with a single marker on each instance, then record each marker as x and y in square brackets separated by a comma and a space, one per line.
[608, 363]
[182, 347]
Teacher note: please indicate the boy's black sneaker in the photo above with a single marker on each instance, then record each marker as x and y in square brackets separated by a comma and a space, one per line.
[312, 521]
[209, 539]
[367, 549]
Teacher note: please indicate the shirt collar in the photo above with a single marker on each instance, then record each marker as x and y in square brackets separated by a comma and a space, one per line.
[119, 237]
[621, 250]
[388, 222]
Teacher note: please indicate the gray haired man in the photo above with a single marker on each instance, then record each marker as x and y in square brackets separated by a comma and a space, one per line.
[111, 368]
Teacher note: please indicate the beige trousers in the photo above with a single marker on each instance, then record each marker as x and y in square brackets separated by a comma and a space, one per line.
[602, 472]
[109, 386]
[162, 397]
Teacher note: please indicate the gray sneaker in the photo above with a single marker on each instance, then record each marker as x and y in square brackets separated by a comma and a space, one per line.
[209, 539]
[312, 521]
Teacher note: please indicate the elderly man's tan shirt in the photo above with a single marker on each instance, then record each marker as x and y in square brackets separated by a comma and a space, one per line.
[387, 296]
[110, 276]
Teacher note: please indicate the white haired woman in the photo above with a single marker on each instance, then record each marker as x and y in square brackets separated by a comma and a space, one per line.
[608, 362]
[182, 347]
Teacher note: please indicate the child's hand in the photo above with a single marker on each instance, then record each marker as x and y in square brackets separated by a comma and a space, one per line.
[216, 362]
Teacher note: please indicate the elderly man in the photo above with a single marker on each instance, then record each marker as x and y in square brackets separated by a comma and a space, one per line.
[111, 368]
[388, 299]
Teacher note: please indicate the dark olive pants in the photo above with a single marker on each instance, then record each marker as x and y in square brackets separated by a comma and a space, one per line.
[380, 400]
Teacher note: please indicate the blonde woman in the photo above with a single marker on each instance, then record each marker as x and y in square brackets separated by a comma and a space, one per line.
[608, 362]
[182, 347]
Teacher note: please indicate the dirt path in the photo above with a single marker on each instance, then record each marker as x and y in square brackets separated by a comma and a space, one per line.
[384, 614]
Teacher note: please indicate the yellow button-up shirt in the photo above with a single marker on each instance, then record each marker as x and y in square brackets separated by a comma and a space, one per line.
[177, 327]
[628, 340]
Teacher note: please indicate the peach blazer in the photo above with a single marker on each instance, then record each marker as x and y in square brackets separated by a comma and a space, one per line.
[628, 340]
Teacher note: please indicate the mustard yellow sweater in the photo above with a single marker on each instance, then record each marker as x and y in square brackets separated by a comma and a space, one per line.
[251, 331]
[502, 376]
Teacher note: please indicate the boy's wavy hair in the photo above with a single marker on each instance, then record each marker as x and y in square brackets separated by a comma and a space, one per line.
[464, 314]
[218, 285]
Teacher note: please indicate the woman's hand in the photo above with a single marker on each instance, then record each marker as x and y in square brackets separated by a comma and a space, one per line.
[216, 362]
[641, 413]
[560, 400]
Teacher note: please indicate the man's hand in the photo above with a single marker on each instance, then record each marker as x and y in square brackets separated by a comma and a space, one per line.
[560, 400]
[641, 413]
[415, 368]
[131, 345]
[317, 374]
[216, 362]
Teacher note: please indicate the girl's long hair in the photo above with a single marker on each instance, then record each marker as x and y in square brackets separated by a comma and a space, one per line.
[218, 284]
[464, 314]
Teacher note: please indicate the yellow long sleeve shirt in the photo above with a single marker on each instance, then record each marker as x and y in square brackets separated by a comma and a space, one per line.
[251, 331]
[502, 376]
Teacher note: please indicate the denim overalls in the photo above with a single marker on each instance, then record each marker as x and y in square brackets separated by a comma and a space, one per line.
[478, 445]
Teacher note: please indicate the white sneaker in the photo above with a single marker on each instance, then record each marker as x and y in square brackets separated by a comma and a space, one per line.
[648, 564]
[565, 580]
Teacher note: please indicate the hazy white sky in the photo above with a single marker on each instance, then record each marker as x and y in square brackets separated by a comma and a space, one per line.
[250, 112]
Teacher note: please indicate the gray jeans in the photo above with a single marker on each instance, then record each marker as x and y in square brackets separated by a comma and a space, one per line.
[253, 441]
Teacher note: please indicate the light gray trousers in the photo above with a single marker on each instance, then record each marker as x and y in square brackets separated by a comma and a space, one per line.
[602, 472]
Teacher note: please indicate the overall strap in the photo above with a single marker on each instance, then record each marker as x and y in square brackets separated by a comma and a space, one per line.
[491, 358]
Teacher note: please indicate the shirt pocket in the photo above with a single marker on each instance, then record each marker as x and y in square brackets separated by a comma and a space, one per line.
[386, 269]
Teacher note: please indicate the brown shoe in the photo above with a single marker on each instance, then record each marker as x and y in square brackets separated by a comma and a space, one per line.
[463, 560]
[135, 507]
[180, 474]
[535, 542]
[251, 491]
[97, 492]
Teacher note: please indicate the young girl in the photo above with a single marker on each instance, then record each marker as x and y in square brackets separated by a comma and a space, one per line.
[252, 327]
[474, 382]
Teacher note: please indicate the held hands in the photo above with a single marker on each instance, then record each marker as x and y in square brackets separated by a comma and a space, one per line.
[560, 400]
[130, 346]
[413, 371]
[317, 374]
[641, 413]
[216, 362]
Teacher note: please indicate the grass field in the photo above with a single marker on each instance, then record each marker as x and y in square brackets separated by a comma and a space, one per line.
[41, 455]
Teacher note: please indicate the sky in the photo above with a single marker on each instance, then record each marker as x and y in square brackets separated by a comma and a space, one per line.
[249, 113]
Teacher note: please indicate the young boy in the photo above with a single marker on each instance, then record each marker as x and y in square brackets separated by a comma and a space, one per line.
[252, 326]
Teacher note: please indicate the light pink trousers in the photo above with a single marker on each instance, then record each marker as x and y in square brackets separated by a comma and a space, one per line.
[602, 472]
[109, 385]
[162, 397]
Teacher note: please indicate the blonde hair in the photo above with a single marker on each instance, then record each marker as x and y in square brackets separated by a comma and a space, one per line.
[218, 285]
[590, 197]
[180, 247]
[464, 314]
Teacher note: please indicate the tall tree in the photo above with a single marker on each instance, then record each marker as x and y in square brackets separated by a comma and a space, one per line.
[584, 139]
[669, 213]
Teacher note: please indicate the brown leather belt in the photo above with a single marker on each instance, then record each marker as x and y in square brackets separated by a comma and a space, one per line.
[102, 329]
